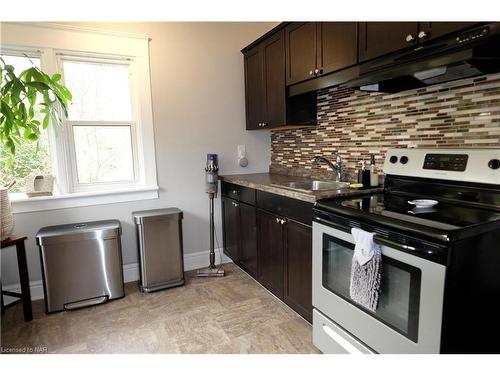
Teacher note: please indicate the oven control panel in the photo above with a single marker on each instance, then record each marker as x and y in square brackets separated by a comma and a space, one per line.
[446, 162]
[481, 165]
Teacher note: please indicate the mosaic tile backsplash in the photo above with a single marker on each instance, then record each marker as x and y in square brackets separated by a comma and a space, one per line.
[458, 114]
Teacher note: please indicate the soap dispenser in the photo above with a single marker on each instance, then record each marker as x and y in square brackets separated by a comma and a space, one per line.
[373, 172]
[364, 175]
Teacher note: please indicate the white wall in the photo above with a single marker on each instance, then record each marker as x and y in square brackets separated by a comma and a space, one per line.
[198, 108]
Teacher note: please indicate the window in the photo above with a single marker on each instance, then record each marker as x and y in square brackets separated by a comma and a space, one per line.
[104, 150]
[30, 158]
[101, 122]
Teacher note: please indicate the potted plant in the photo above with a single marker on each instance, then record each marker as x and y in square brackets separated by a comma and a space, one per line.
[29, 102]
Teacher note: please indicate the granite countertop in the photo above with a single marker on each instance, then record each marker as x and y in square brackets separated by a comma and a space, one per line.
[269, 182]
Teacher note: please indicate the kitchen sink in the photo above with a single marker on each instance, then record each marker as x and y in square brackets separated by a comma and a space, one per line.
[314, 185]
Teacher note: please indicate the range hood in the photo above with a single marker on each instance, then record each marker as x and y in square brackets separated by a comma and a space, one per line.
[460, 55]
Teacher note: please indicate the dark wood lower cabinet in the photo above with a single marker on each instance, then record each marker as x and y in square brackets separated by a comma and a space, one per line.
[273, 249]
[248, 235]
[298, 268]
[231, 228]
[285, 261]
[270, 250]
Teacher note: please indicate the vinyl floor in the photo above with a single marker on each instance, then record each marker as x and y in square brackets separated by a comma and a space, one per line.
[228, 315]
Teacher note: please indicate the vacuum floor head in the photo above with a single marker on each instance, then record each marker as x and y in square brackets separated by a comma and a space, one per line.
[211, 272]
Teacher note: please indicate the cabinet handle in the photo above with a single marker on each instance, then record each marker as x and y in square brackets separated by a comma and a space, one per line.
[409, 38]
[311, 72]
[423, 35]
[282, 221]
[318, 71]
[264, 124]
[235, 192]
[277, 220]
[236, 204]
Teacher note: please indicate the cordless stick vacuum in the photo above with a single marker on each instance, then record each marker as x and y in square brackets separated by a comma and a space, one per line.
[211, 179]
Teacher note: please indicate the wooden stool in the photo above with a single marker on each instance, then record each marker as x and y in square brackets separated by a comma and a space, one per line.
[25, 295]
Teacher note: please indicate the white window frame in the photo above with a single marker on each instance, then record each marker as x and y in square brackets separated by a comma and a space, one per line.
[72, 183]
[51, 43]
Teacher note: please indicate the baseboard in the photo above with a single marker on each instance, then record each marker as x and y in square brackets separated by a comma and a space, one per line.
[36, 289]
[192, 261]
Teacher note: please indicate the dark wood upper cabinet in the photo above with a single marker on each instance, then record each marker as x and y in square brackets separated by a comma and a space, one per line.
[231, 228]
[317, 48]
[298, 268]
[265, 90]
[274, 80]
[270, 248]
[248, 239]
[301, 51]
[380, 38]
[431, 30]
[337, 45]
[254, 88]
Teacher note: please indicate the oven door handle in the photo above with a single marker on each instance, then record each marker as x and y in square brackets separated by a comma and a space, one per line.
[393, 244]
[380, 240]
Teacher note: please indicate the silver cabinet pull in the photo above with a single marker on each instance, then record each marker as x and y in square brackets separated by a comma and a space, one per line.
[282, 221]
[409, 38]
[311, 72]
[277, 220]
[423, 35]
[316, 71]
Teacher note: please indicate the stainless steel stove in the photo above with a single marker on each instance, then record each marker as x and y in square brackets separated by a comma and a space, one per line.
[440, 289]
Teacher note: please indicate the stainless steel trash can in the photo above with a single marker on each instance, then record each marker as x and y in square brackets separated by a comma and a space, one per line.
[81, 264]
[159, 241]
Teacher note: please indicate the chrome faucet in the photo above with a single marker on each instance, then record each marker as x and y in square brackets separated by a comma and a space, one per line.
[337, 167]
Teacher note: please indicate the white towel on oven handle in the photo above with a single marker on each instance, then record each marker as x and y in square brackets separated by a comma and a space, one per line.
[364, 248]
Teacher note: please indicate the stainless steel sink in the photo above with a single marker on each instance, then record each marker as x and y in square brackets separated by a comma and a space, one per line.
[314, 185]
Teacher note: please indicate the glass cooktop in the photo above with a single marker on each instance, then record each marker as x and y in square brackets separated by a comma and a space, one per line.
[442, 216]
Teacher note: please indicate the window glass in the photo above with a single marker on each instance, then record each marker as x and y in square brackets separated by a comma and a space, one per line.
[101, 92]
[103, 153]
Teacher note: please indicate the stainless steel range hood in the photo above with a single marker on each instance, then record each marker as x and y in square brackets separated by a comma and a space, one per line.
[461, 55]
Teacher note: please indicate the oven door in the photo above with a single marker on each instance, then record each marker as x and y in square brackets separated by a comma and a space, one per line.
[409, 314]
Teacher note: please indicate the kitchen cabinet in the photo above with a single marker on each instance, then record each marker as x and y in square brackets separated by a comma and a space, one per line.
[380, 38]
[254, 88]
[231, 228]
[317, 48]
[301, 51]
[270, 237]
[248, 259]
[337, 45]
[274, 80]
[270, 250]
[265, 91]
[431, 30]
[285, 260]
[298, 268]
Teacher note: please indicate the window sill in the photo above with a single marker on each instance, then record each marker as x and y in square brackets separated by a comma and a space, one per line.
[21, 203]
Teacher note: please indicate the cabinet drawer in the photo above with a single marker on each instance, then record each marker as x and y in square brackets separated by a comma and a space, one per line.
[237, 192]
[287, 207]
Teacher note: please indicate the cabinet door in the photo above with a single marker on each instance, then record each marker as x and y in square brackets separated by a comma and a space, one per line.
[248, 236]
[254, 88]
[380, 38]
[274, 80]
[431, 30]
[300, 51]
[270, 248]
[298, 268]
[337, 45]
[231, 228]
